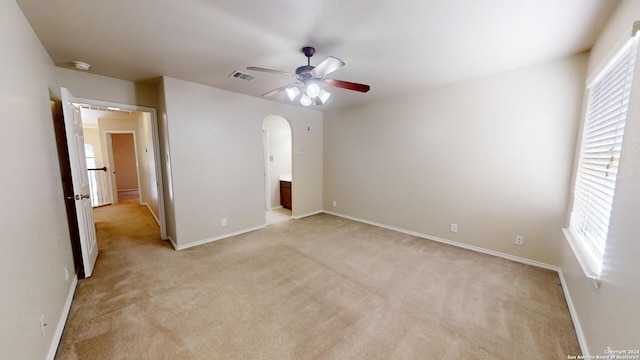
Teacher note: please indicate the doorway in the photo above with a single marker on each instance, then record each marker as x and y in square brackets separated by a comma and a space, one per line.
[145, 133]
[124, 139]
[122, 151]
[278, 169]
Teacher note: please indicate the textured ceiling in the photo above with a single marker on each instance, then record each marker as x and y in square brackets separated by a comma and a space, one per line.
[397, 47]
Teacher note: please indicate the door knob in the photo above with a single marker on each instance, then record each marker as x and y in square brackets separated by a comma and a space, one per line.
[85, 196]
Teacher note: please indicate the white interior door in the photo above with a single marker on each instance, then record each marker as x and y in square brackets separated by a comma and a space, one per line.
[80, 179]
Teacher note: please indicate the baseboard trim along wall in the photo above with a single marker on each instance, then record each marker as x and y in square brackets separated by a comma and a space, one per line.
[62, 321]
[206, 241]
[152, 213]
[572, 310]
[450, 242]
[574, 316]
[298, 217]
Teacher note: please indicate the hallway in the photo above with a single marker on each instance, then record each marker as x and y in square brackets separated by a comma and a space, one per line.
[124, 224]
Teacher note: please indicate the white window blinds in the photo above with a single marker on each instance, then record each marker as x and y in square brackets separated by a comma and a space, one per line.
[608, 102]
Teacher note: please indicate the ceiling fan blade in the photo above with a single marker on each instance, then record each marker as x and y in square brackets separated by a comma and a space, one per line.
[327, 66]
[275, 91]
[278, 72]
[346, 85]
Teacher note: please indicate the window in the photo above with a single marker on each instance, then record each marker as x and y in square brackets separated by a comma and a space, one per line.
[602, 135]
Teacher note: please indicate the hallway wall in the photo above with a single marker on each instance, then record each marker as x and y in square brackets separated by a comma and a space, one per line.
[35, 235]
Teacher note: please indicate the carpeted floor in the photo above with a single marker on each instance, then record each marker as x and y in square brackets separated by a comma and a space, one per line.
[318, 288]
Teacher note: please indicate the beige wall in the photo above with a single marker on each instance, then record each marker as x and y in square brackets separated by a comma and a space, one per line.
[96, 87]
[35, 237]
[492, 155]
[609, 316]
[148, 179]
[217, 162]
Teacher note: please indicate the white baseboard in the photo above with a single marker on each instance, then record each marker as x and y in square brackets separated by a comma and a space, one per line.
[297, 217]
[582, 341]
[62, 321]
[206, 241]
[453, 243]
[152, 213]
[173, 242]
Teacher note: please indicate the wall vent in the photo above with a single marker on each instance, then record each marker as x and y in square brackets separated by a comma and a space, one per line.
[242, 76]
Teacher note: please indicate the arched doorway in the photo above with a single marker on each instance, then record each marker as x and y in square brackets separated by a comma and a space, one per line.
[278, 168]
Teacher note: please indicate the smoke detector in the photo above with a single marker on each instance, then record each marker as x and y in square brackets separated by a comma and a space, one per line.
[81, 65]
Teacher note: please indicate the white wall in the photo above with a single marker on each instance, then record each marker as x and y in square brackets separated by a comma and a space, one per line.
[280, 149]
[36, 245]
[148, 182]
[217, 159]
[493, 155]
[609, 316]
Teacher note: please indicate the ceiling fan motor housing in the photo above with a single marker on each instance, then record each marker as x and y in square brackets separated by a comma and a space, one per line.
[305, 71]
[308, 51]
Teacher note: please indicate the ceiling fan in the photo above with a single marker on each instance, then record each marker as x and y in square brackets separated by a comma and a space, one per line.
[308, 80]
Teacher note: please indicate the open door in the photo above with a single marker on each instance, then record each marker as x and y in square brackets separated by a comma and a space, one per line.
[80, 180]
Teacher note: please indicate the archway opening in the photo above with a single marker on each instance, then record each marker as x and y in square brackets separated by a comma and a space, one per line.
[278, 169]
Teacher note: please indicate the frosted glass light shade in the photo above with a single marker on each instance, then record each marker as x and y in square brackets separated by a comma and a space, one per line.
[324, 96]
[292, 92]
[305, 100]
[313, 90]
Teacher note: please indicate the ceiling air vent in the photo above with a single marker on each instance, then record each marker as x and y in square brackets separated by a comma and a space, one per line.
[242, 76]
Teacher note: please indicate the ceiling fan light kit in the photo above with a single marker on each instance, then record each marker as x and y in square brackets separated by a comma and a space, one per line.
[309, 80]
[292, 92]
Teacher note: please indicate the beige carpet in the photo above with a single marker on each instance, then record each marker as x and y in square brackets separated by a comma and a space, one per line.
[318, 288]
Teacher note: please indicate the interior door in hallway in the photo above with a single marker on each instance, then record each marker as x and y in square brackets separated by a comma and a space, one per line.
[80, 180]
[125, 164]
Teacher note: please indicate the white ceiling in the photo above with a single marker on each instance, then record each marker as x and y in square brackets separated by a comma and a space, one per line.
[397, 47]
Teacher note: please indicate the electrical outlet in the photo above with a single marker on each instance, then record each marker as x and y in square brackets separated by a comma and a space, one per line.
[335, 203]
[454, 228]
[223, 222]
[66, 272]
[43, 324]
[519, 240]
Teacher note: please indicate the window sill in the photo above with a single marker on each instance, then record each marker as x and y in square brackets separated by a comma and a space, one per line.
[590, 269]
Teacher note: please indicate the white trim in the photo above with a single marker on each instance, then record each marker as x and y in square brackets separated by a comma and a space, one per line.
[574, 315]
[297, 217]
[152, 214]
[453, 243]
[57, 336]
[589, 267]
[173, 242]
[108, 138]
[155, 127]
[206, 241]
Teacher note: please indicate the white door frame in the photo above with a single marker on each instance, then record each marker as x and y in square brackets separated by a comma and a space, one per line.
[114, 188]
[267, 180]
[156, 151]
